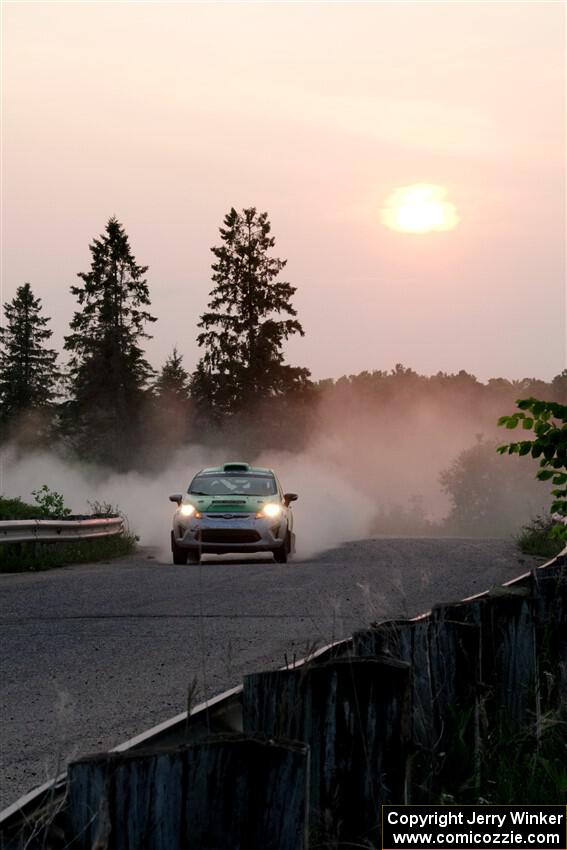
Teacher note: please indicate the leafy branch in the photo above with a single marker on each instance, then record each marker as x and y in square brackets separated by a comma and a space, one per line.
[548, 422]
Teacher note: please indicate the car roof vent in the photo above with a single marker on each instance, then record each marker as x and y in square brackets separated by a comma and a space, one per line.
[236, 467]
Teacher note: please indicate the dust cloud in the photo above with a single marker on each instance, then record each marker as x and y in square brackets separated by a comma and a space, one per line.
[330, 509]
[356, 466]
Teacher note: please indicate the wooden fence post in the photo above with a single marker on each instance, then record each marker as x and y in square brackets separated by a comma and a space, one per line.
[224, 793]
[509, 664]
[247, 793]
[352, 712]
[407, 641]
[551, 635]
[443, 651]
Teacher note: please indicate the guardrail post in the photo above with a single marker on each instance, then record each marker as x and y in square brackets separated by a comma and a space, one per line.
[229, 792]
[407, 641]
[352, 712]
[248, 793]
[443, 651]
[551, 635]
[509, 662]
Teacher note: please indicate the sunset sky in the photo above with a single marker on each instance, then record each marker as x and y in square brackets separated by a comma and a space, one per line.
[167, 114]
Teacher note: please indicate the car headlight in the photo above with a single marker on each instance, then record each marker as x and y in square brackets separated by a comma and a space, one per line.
[187, 510]
[271, 510]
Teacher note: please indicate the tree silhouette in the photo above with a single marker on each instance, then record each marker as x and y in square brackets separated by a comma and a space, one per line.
[243, 333]
[28, 372]
[108, 371]
[168, 424]
[172, 382]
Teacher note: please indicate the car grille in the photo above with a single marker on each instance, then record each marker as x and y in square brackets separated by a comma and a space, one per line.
[220, 515]
[229, 535]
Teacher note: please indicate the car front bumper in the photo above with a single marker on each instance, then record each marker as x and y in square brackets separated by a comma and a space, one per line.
[215, 534]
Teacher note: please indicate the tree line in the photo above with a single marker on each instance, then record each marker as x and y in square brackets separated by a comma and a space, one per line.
[107, 399]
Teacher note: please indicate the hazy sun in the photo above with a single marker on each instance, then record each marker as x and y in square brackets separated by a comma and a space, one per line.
[420, 208]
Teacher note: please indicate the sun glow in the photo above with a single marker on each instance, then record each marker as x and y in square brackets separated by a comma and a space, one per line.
[420, 208]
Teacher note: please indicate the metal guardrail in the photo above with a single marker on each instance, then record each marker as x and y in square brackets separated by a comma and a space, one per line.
[58, 530]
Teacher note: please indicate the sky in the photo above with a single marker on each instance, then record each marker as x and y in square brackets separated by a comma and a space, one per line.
[167, 114]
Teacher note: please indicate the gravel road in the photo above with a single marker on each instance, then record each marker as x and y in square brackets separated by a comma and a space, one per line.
[93, 654]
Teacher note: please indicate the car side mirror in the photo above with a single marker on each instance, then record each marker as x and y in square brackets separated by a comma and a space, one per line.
[290, 497]
[177, 497]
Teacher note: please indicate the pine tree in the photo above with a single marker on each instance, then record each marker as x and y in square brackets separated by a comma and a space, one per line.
[168, 425]
[28, 372]
[108, 371]
[172, 382]
[242, 332]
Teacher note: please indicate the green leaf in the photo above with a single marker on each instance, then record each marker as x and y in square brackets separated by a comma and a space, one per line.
[544, 474]
[527, 423]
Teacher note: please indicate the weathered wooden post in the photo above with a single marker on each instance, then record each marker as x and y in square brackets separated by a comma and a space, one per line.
[352, 712]
[224, 793]
[443, 652]
[509, 666]
[551, 634]
[248, 793]
[407, 641]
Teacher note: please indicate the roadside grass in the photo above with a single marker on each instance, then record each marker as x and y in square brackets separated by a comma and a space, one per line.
[525, 769]
[536, 538]
[34, 557]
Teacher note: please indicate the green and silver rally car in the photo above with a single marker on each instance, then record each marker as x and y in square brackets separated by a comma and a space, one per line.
[232, 508]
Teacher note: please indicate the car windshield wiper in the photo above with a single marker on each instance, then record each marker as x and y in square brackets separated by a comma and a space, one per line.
[198, 493]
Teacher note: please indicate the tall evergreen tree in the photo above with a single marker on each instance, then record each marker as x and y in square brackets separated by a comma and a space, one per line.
[28, 372]
[242, 332]
[108, 371]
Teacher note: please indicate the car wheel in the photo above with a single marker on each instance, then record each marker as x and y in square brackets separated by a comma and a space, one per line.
[179, 555]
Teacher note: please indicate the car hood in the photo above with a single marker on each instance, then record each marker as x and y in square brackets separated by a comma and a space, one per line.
[229, 504]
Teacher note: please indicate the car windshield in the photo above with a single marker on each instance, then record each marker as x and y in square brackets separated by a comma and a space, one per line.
[233, 484]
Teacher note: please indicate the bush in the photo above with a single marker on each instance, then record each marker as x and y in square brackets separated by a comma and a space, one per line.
[49, 505]
[537, 538]
[16, 509]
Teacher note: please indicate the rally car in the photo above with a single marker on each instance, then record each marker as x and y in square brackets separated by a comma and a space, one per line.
[232, 508]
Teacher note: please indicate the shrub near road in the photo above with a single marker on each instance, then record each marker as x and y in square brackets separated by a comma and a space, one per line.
[20, 557]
